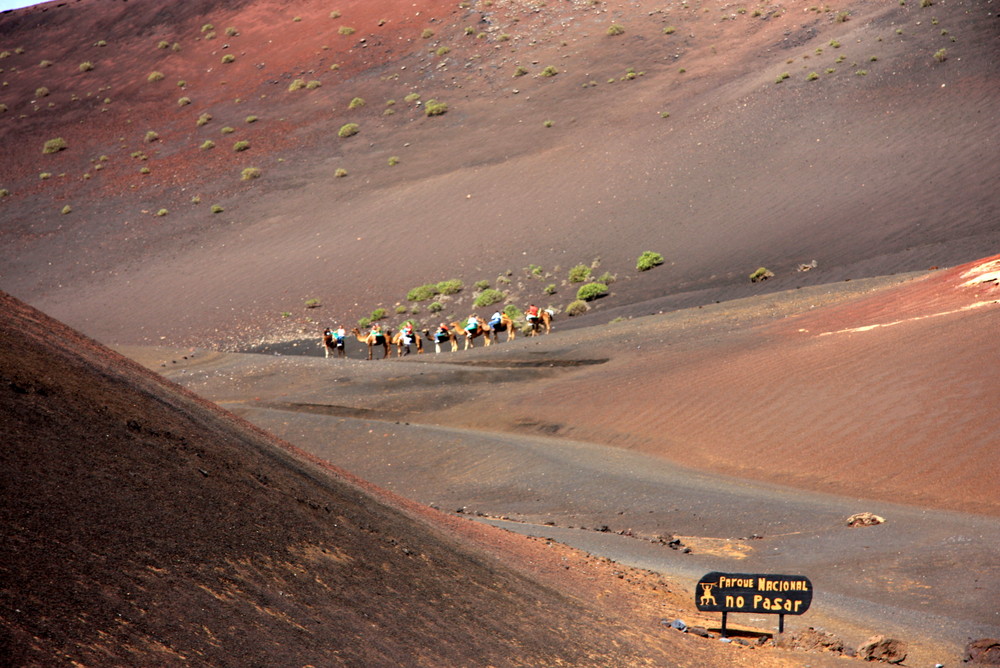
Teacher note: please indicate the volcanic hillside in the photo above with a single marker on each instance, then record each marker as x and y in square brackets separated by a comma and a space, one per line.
[201, 192]
[143, 526]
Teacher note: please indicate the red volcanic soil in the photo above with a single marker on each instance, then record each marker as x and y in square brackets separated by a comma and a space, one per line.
[673, 136]
[144, 526]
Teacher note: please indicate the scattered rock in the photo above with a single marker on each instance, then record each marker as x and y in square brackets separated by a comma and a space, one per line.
[677, 624]
[880, 648]
[812, 640]
[983, 652]
[864, 520]
[699, 631]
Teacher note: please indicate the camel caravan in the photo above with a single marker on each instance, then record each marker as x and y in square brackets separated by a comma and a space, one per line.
[537, 321]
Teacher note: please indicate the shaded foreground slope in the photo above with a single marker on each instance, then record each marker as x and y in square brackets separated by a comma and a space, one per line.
[145, 526]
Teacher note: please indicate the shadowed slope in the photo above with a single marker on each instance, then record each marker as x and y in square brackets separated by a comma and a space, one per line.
[144, 526]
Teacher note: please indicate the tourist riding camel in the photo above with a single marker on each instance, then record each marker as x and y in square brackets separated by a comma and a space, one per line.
[537, 319]
[333, 342]
[374, 338]
[472, 327]
[440, 335]
[500, 322]
[406, 337]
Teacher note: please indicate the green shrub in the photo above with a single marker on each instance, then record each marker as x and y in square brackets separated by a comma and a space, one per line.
[144, 170]
[481, 285]
[812, 76]
[435, 307]
[46, 63]
[762, 274]
[154, 76]
[412, 97]
[348, 130]
[378, 314]
[162, 212]
[250, 173]
[607, 278]
[334, 14]
[590, 291]
[252, 119]
[207, 145]
[648, 260]
[232, 32]
[45, 175]
[401, 309]
[196, 199]
[393, 160]
[183, 101]
[340, 173]
[207, 27]
[579, 273]
[356, 102]
[228, 58]
[241, 145]
[450, 287]
[66, 209]
[364, 322]
[669, 30]
[297, 84]
[435, 108]
[941, 55]
[313, 85]
[86, 66]
[422, 293]
[427, 33]
[55, 145]
[488, 297]
[513, 312]
[520, 71]
[549, 71]
[217, 209]
[41, 91]
[151, 136]
[550, 289]
[578, 307]
[227, 130]
[443, 51]
[345, 30]
[615, 29]
[4, 193]
[312, 303]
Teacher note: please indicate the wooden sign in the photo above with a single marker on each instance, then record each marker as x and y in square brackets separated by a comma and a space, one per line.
[756, 593]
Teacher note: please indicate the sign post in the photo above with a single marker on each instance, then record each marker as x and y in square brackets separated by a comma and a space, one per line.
[754, 593]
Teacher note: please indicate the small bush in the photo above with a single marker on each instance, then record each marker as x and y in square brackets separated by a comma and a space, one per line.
[520, 71]
[241, 145]
[250, 173]
[591, 291]
[393, 160]
[378, 314]
[412, 97]
[355, 103]
[348, 130]
[46, 63]
[313, 84]
[762, 274]
[312, 303]
[615, 29]
[297, 84]
[549, 71]
[45, 176]
[86, 66]
[66, 209]
[334, 14]
[669, 30]
[41, 91]
[578, 307]
[435, 108]
[228, 58]
[422, 293]
[450, 287]
[207, 145]
[154, 76]
[232, 32]
[217, 209]
[488, 297]
[55, 145]
[548, 124]
[481, 285]
[4, 193]
[435, 307]
[607, 278]
[162, 212]
[812, 76]
[183, 101]
[163, 44]
[207, 27]
[144, 170]
[364, 322]
[340, 173]
[550, 289]
[401, 309]
[196, 199]
[345, 30]
[443, 51]
[941, 55]
[151, 136]
[579, 273]
[227, 130]
[427, 33]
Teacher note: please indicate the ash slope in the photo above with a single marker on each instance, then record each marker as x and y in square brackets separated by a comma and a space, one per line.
[884, 162]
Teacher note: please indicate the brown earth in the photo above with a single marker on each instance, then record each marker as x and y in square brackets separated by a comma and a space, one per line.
[883, 164]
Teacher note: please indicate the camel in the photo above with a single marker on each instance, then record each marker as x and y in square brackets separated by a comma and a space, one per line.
[404, 348]
[437, 344]
[506, 325]
[331, 346]
[372, 341]
[544, 321]
[482, 329]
